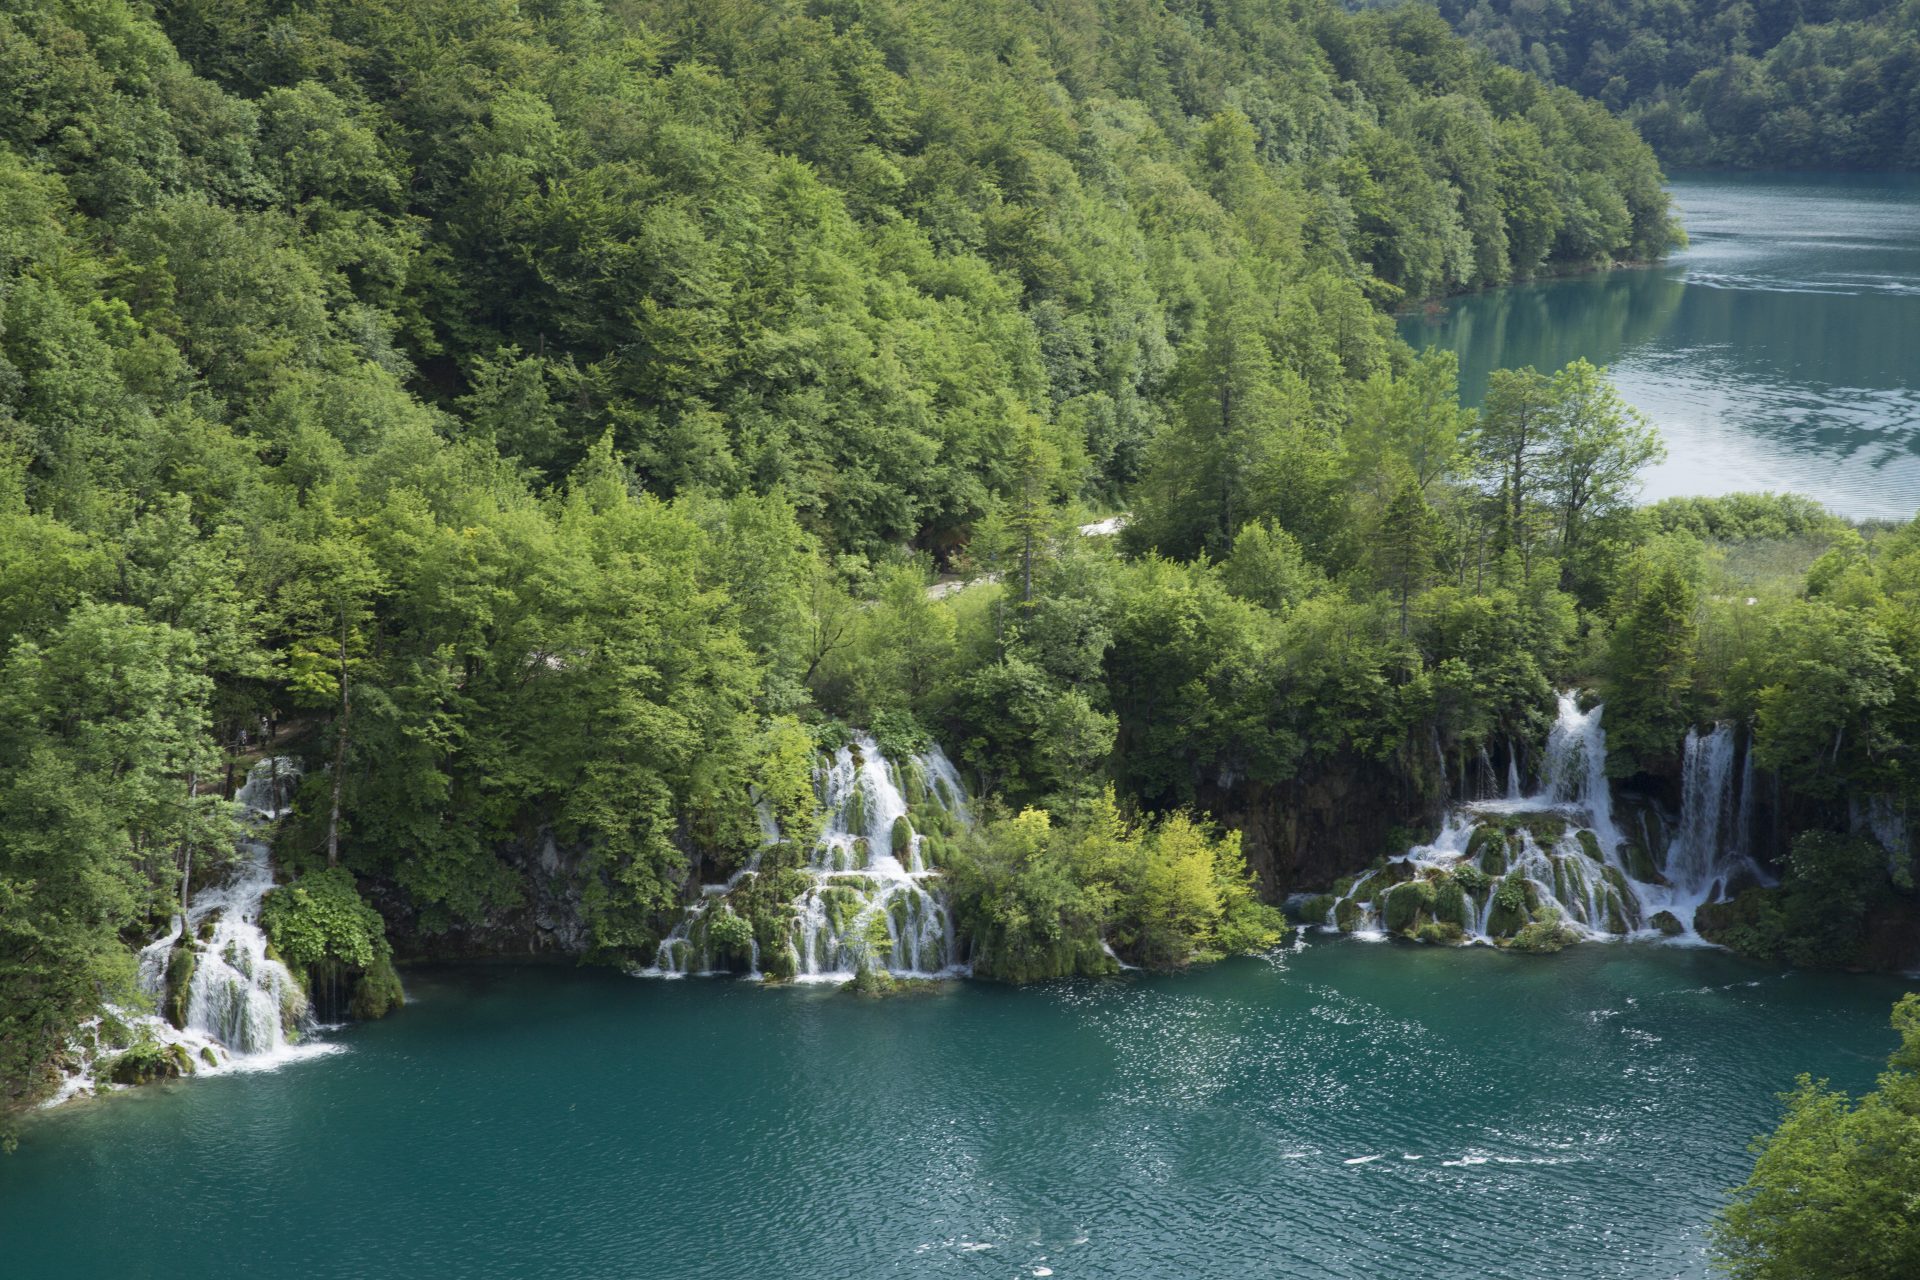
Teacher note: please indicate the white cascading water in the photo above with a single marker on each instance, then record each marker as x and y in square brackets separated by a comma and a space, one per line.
[239, 997]
[867, 904]
[244, 1010]
[1562, 846]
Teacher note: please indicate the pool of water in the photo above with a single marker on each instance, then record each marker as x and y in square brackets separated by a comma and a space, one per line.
[1347, 1110]
[1780, 351]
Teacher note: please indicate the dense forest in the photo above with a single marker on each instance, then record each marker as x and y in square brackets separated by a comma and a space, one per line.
[1819, 84]
[547, 420]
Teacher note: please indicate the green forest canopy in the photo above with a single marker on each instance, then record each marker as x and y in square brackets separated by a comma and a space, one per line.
[1819, 84]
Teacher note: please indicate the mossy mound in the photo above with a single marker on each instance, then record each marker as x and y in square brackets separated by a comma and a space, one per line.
[1441, 933]
[1408, 904]
[1488, 848]
[378, 992]
[1544, 937]
[871, 982]
[1667, 923]
[149, 1061]
[180, 967]
[1472, 880]
[1640, 863]
[1315, 910]
[1513, 904]
[1450, 902]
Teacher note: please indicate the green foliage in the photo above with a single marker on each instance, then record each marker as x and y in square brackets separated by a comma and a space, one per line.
[1650, 694]
[1766, 84]
[1409, 905]
[1040, 900]
[729, 934]
[377, 992]
[1827, 886]
[1831, 1191]
[320, 927]
[147, 1061]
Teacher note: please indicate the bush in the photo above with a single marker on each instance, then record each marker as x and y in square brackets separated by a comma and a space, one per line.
[323, 931]
[1814, 919]
[1832, 1188]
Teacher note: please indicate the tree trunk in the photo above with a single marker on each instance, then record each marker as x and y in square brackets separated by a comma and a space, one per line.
[339, 751]
[1026, 566]
[1226, 467]
[186, 854]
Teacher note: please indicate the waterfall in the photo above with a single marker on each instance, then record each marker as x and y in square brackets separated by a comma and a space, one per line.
[239, 997]
[1576, 766]
[1543, 869]
[873, 896]
[240, 1009]
[1705, 805]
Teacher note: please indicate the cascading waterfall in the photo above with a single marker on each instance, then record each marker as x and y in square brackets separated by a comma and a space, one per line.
[870, 894]
[238, 996]
[238, 1006]
[1539, 871]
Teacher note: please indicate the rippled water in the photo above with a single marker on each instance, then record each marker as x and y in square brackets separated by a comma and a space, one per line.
[1780, 351]
[1346, 1111]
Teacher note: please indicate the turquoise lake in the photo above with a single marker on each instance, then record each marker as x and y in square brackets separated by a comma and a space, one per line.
[1347, 1110]
[1780, 350]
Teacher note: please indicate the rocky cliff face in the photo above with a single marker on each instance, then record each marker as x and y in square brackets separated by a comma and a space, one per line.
[547, 922]
[1308, 832]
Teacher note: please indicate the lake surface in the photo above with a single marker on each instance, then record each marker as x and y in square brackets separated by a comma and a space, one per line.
[1348, 1110]
[1780, 351]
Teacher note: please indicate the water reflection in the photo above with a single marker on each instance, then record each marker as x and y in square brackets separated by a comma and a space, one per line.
[1781, 351]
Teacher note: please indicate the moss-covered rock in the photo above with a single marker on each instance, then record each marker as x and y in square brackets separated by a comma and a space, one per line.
[149, 1061]
[1488, 847]
[1667, 923]
[1543, 937]
[1441, 933]
[1622, 898]
[1547, 829]
[1449, 901]
[856, 809]
[1512, 906]
[1346, 915]
[1590, 845]
[902, 839]
[1639, 863]
[1472, 880]
[179, 991]
[1315, 910]
[869, 980]
[1407, 905]
[378, 992]
[1390, 874]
